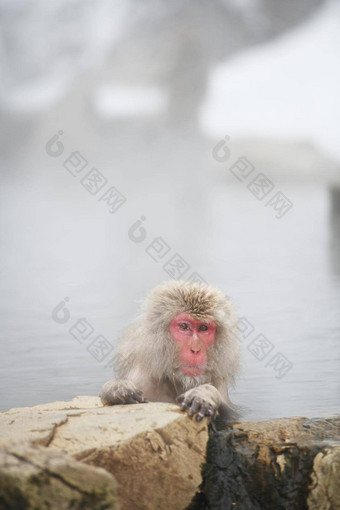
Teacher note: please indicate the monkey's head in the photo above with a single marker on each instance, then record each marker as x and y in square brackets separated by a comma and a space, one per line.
[192, 330]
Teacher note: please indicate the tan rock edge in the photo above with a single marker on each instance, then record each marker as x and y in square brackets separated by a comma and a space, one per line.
[154, 451]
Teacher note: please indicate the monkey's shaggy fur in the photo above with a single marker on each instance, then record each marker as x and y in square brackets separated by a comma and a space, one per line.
[149, 344]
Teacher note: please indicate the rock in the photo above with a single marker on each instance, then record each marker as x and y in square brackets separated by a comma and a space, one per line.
[38, 424]
[154, 451]
[34, 477]
[280, 464]
[325, 488]
[79, 454]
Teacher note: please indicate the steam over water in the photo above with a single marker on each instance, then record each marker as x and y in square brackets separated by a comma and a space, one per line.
[142, 109]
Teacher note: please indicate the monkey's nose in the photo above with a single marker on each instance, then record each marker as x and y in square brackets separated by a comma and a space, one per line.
[195, 351]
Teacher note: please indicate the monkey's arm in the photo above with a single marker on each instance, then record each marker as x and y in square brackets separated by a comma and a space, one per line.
[206, 400]
[126, 389]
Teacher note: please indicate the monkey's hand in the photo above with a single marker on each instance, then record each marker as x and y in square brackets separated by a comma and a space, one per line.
[203, 400]
[121, 392]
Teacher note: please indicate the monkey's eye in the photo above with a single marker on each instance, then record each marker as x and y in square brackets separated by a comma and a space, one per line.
[183, 325]
[203, 327]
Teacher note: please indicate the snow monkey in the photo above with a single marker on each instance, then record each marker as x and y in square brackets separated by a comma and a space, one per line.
[182, 348]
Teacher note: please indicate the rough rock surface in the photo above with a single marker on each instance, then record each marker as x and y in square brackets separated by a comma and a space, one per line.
[325, 488]
[287, 464]
[154, 451]
[34, 477]
[52, 457]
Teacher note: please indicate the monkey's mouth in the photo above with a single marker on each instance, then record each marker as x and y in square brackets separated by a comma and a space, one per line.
[192, 370]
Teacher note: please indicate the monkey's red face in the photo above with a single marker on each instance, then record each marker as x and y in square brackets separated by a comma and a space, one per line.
[193, 337]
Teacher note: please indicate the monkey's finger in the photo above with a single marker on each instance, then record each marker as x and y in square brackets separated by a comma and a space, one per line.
[212, 410]
[186, 403]
[119, 398]
[203, 411]
[138, 396]
[195, 406]
[131, 400]
[180, 400]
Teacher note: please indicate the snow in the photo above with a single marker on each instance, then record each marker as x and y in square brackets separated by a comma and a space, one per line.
[287, 89]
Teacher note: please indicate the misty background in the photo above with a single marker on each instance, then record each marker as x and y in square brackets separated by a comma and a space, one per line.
[183, 139]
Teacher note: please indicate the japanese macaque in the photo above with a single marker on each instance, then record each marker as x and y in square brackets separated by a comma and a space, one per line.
[182, 349]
